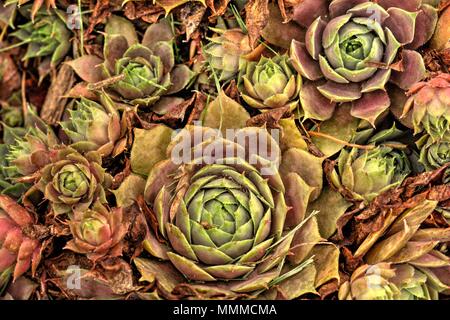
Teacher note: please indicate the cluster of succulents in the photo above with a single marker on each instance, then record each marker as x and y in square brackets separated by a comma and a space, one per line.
[206, 150]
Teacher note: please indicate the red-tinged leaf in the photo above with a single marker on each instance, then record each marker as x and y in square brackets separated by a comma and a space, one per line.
[87, 67]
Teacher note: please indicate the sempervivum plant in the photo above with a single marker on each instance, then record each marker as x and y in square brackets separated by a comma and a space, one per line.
[270, 83]
[92, 126]
[429, 103]
[354, 47]
[73, 181]
[30, 153]
[19, 251]
[229, 217]
[224, 52]
[384, 281]
[47, 37]
[370, 283]
[97, 232]
[368, 172]
[24, 153]
[136, 73]
[412, 251]
[433, 154]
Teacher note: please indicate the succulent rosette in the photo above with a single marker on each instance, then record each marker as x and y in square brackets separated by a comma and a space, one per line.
[7, 185]
[224, 52]
[135, 73]
[93, 126]
[26, 156]
[352, 49]
[433, 154]
[24, 153]
[414, 265]
[47, 37]
[384, 281]
[370, 283]
[429, 106]
[270, 83]
[368, 172]
[30, 153]
[97, 232]
[18, 250]
[230, 218]
[73, 182]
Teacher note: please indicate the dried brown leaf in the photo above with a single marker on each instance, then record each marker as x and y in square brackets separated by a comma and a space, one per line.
[257, 13]
[270, 119]
[287, 7]
[330, 288]
[218, 8]
[150, 217]
[175, 115]
[148, 12]
[351, 263]
[199, 105]
[102, 10]
[191, 17]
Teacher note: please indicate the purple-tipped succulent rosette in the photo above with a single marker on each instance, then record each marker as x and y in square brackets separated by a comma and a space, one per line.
[353, 48]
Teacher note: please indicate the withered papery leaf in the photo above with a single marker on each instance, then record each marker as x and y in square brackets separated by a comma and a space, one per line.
[218, 8]
[191, 17]
[145, 11]
[165, 275]
[257, 13]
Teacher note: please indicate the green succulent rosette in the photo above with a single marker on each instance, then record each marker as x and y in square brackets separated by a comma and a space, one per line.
[93, 126]
[433, 154]
[235, 221]
[405, 257]
[72, 181]
[351, 50]
[7, 184]
[133, 73]
[367, 172]
[270, 83]
[23, 153]
[47, 37]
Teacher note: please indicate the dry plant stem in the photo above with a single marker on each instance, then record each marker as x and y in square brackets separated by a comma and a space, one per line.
[55, 102]
[23, 90]
[3, 29]
[101, 84]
